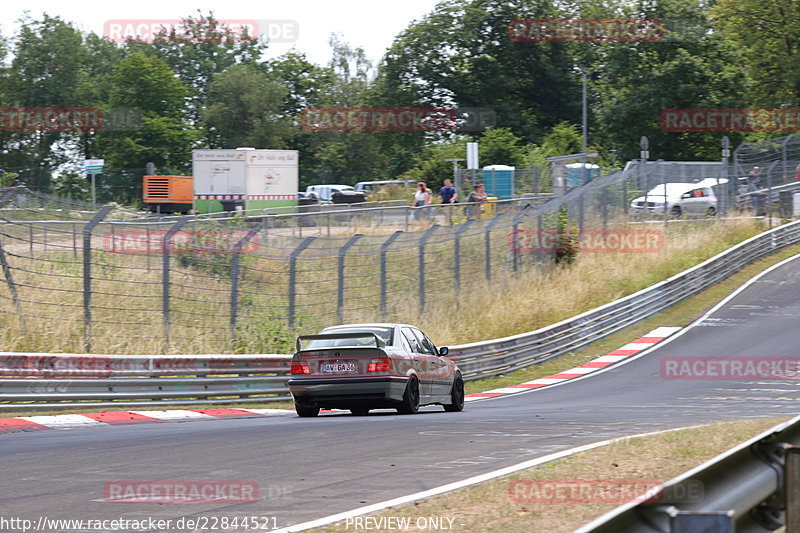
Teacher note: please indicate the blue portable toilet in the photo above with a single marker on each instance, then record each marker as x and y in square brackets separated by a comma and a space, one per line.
[575, 173]
[499, 181]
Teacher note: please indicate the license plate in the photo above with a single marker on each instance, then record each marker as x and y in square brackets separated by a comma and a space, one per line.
[338, 367]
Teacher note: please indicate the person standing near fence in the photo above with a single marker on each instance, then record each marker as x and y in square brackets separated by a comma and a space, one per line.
[478, 194]
[422, 197]
[449, 195]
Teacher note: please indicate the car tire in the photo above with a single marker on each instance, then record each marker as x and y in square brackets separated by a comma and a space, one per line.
[456, 396]
[360, 411]
[410, 403]
[710, 212]
[306, 411]
[676, 211]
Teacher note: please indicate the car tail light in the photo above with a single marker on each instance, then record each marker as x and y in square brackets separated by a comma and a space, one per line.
[384, 364]
[300, 368]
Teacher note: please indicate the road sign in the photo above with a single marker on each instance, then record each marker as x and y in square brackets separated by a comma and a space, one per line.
[93, 166]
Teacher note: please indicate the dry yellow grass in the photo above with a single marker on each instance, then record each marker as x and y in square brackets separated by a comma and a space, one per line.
[537, 298]
[127, 295]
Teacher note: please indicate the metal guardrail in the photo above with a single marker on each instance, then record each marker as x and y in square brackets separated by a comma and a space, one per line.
[70, 380]
[194, 378]
[755, 487]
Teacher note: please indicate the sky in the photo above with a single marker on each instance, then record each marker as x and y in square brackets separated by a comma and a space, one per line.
[370, 24]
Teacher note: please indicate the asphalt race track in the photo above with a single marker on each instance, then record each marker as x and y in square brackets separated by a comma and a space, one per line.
[310, 468]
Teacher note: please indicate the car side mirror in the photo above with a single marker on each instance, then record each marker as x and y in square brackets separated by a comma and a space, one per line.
[444, 350]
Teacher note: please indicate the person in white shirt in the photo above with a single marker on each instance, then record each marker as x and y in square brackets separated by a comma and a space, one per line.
[422, 197]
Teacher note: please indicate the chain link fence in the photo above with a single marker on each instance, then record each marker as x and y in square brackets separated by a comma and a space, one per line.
[115, 281]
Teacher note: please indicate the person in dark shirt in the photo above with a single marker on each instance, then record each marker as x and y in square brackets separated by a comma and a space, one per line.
[449, 196]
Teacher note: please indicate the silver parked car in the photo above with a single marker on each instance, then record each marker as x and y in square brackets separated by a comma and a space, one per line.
[679, 199]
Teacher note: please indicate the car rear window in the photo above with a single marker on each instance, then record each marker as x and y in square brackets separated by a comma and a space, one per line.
[386, 334]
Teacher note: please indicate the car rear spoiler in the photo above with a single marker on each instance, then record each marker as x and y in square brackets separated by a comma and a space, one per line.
[379, 342]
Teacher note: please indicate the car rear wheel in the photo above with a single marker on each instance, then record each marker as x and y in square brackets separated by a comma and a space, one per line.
[306, 411]
[710, 212]
[359, 411]
[456, 395]
[410, 403]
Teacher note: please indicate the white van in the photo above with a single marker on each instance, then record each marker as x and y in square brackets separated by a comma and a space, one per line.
[325, 192]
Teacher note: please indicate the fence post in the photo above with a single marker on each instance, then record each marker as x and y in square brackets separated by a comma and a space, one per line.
[384, 249]
[87, 275]
[422, 241]
[293, 277]
[237, 251]
[784, 154]
[515, 252]
[340, 287]
[488, 246]
[165, 253]
[457, 254]
[11, 287]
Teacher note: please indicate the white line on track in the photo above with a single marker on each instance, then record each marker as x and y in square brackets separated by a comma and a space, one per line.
[332, 519]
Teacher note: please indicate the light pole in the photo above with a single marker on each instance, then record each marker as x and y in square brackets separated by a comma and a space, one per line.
[584, 126]
[456, 181]
[726, 153]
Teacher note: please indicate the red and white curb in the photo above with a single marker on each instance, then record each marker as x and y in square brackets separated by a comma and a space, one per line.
[642, 343]
[115, 418]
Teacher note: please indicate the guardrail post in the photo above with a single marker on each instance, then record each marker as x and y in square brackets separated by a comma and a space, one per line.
[165, 254]
[422, 241]
[293, 277]
[237, 253]
[87, 274]
[340, 286]
[384, 249]
[791, 477]
[457, 254]
[11, 287]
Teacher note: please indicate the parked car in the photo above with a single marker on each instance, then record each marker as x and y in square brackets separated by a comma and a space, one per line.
[370, 366]
[325, 192]
[691, 199]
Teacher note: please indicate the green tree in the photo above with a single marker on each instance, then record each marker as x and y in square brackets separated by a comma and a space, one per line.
[45, 71]
[244, 108]
[147, 84]
[199, 50]
[768, 34]
[461, 55]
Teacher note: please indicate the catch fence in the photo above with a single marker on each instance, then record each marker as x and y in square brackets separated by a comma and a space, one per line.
[114, 281]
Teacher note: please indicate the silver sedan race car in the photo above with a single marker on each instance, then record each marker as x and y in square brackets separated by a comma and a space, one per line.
[371, 366]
